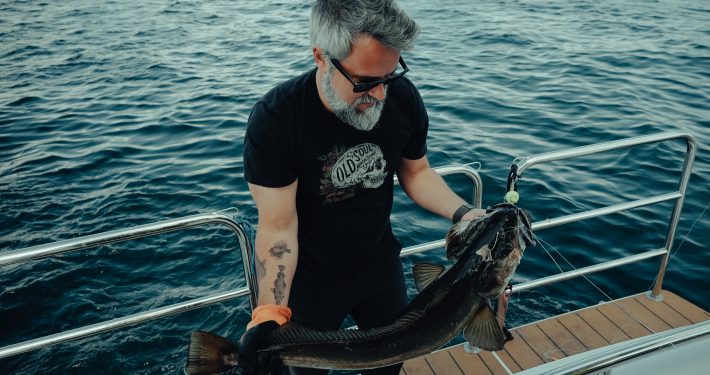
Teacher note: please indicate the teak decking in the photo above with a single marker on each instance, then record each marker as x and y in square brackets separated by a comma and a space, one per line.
[565, 335]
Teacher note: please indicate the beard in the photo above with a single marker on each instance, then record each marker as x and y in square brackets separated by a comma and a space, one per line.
[366, 119]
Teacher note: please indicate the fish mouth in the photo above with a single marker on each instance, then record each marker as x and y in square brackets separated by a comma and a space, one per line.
[516, 219]
[503, 227]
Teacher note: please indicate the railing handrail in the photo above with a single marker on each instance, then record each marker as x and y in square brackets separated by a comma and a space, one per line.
[678, 196]
[41, 251]
[467, 171]
[224, 217]
[120, 235]
[115, 236]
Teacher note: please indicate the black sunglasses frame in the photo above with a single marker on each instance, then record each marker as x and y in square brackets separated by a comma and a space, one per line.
[367, 86]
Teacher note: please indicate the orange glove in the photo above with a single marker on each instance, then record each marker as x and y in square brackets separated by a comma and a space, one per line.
[264, 313]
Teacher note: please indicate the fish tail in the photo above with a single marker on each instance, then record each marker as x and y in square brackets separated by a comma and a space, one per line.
[210, 354]
[483, 330]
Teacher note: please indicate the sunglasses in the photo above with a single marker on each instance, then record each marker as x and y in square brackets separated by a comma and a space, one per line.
[369, 84]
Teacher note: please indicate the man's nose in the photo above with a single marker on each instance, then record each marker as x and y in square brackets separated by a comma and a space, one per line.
[378, 92]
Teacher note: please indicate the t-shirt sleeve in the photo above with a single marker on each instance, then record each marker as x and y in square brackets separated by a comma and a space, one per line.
[268, 159]
[416, 147]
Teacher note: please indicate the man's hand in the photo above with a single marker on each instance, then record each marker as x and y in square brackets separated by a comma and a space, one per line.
[264, 320]
[251, 360]
[473, 214]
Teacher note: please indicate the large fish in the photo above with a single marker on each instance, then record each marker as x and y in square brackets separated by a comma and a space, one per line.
[486, 253]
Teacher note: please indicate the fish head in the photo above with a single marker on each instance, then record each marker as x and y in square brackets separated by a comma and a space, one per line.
[488, 249]
[494, 236]
[514, 231]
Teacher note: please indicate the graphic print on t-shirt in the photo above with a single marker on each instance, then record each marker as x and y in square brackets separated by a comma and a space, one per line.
[345, 170]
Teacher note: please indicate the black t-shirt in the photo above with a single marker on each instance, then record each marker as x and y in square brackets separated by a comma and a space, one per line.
[345, 175]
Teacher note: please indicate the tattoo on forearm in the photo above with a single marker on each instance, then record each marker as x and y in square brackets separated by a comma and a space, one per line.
[260, 269]
[279, 285]
[279, 249]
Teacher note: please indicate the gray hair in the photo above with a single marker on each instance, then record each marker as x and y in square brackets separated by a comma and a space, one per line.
[336, 23]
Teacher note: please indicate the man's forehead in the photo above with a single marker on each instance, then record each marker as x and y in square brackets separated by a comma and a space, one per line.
[370, 59]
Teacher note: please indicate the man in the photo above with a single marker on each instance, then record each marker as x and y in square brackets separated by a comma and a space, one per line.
[321, 151]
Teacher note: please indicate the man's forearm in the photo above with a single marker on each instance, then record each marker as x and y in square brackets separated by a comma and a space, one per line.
[428, 189]
[276, 260]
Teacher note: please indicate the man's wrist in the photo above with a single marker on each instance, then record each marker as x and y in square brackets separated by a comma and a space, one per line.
[264, 313]
[461, 211]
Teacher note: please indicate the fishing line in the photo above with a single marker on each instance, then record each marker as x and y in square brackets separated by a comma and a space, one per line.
[548, 254]
[672, 255]
[687, 234]
[589, 281]
[545, 354]
[543, 242]
[549, 354]
[519, 159]
[476, 165]
[681, 242]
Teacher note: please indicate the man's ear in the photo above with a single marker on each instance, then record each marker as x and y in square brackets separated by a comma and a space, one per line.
[319, 57]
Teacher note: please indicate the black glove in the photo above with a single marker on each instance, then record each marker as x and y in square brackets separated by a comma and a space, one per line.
[251, 360]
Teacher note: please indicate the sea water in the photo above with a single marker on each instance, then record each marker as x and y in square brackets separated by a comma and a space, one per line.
[120, 113]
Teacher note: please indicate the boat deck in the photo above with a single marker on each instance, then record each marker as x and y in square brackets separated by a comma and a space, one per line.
[564, 335]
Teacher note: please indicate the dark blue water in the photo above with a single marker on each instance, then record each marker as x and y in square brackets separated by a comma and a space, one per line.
[120, 113]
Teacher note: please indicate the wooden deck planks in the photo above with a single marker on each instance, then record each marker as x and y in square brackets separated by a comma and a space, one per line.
[565, 335]
[417, 366]
[685, 308]
[563, 338]
[470, 364]
[492, 363]
[521, 352]
[626, 318]
[641, 314]
[508, 360]
[540, 343]
[603, 326]
[663, 312]
[582, 331]
[441, 362]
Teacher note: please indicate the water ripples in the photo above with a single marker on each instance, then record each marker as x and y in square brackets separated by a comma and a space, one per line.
[117, 114]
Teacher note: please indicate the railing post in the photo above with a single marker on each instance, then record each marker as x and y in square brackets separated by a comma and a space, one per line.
[675, 217]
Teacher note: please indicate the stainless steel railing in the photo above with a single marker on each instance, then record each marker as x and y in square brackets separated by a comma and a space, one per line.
[548, 223]
[475, 178]
[36, 252]
[225, 217]
[678, 196]
[40, 251]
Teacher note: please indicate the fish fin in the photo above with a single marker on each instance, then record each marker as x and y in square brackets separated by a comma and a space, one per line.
[209, 354]
[425, 273]
[455, 243]
[483, 330]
